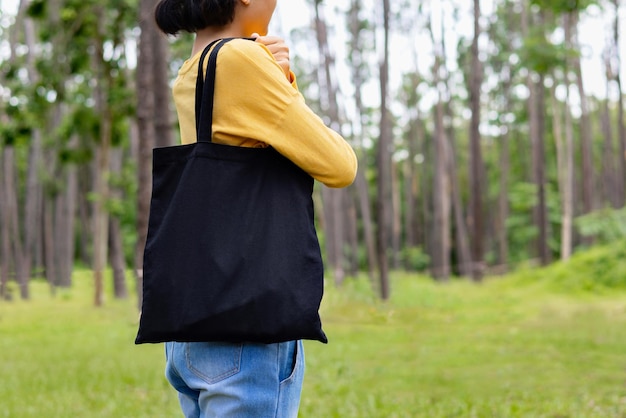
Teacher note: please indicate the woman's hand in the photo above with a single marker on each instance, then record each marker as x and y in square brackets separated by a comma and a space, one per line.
[279, 50]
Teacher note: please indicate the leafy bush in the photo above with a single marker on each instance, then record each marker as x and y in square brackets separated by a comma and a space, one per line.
[606, 225]
[415, 259]
[595, 270]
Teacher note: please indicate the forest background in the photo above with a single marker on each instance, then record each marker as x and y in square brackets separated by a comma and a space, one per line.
[482, 147]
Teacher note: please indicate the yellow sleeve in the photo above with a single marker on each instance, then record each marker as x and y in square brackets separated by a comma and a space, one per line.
[254, 98]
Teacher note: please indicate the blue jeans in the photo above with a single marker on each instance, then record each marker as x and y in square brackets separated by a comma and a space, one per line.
[247, 380]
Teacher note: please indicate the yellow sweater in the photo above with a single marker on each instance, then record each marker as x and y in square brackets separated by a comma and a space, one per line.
[256, 106]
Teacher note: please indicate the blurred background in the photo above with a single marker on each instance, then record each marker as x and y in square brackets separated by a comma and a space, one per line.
[492, 147]
[489, 133]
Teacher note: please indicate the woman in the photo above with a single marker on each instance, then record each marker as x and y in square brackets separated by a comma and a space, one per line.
[257, 104]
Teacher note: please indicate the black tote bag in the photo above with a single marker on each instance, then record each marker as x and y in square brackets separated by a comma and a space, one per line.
[231, 253]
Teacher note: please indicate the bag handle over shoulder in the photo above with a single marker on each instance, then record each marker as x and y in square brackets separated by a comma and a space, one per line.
[205, 90]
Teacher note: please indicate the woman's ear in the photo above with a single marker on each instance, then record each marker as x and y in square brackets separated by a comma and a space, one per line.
[245, 2]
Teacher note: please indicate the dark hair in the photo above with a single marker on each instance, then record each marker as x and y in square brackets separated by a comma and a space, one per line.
[173, 16]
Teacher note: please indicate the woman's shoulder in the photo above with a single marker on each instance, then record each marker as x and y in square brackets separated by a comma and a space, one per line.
[244, 49]
[234, 51]
[245, 59]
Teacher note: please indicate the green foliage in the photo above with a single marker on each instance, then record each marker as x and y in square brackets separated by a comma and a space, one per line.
[37, 9]
[415, 259]
[540, 55]
[14, 133]
[606, 225]
[81, 52]
[600, 270]
[522, 231]
[522, 200]
[564, 6]
[124, 208]
[81, 121]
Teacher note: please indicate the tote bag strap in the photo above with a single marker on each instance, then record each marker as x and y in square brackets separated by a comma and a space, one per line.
[205, 90]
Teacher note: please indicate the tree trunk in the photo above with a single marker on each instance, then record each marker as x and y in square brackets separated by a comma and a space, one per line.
[5, 239]
[334, 227]
[503, 199]
[411, 187]
[396, 224]
[383, 154]
[48, 231]
[441, 180]
[608, 148]
[561, 155]
[586, 136]
[102, 162]
[462, 240]
[621, 124]
[361, 185]
[333, 198]
[564, 137]
[535, 85]
[366, 216]
[464, 257]
[441, 209]
[475, 222]
[411, 176]
[85, 175]
[567, 190]
[146, 127]
[101, 222]
[116, 246]
[20, 242]
[32, 206]
[504, 171]
[13, 220]
[352, 233]
[539, 170]
[161, 87]
[64, 228]
[118, 264]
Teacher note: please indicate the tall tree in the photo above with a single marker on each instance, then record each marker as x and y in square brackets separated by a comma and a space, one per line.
[504, 33]
[32, 210]
[459, 226]
[588, 175]
[609, 174]
[535, 40]
[476, 158]
[14, 223]
[383, 158]
[116, 241]
[441, 181]
[621, 124]
[567, 186]
[146, 132]
[412, 177]
[5, 245]
[102, 160]
[358, 45]
[334, 215]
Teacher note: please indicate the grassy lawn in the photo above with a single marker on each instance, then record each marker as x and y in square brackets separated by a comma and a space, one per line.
[514, 347]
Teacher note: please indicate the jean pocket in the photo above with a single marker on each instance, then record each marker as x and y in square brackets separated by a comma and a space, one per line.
[214, 361]
[295, 354]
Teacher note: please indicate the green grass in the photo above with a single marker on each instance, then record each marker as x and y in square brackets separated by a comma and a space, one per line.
[522, 346]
